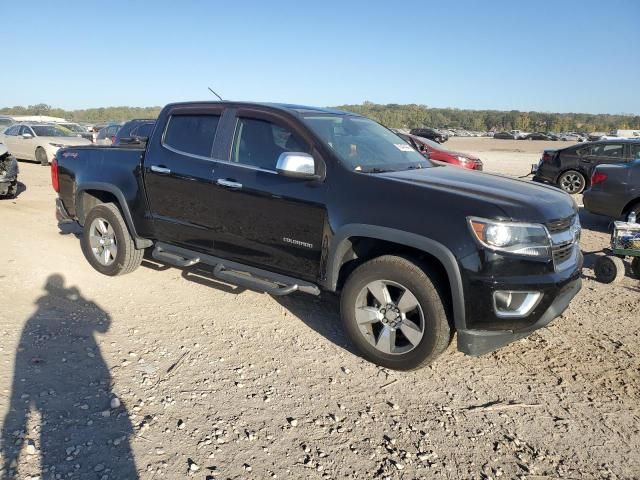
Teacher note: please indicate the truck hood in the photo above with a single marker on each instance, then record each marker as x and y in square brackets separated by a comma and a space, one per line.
[519, 200]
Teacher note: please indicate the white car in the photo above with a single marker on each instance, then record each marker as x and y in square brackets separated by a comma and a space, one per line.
[38, 142]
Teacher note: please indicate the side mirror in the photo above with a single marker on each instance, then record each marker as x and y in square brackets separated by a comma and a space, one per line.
[296, 165]
[27, 135]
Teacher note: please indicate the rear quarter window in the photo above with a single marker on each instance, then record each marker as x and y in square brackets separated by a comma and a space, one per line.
[192, 134]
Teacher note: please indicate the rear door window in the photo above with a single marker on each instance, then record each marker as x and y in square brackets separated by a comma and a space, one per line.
[192, 134]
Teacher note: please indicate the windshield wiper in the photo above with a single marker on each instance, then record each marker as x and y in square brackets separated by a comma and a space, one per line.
[374, 170]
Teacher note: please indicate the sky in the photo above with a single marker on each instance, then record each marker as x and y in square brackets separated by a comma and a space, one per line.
[544, 55]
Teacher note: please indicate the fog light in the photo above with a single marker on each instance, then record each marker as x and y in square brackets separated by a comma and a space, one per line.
[513, 304]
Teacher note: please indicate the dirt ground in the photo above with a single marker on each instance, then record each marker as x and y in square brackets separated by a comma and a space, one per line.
[166, 373]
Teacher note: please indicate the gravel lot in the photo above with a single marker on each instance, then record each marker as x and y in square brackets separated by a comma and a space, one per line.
[167, 373]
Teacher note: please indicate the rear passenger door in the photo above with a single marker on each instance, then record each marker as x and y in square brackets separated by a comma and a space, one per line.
[179, 170]
[268, 220]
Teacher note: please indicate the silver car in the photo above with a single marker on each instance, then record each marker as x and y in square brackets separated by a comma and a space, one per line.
[38, 142]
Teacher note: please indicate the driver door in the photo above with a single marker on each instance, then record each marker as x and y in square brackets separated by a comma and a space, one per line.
[268, 220]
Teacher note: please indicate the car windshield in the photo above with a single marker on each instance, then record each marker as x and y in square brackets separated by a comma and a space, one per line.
[51, 131]
[5, 122]
[364, 145]
[74, 127]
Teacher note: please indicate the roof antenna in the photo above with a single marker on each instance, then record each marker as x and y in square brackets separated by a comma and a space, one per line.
[211, 90]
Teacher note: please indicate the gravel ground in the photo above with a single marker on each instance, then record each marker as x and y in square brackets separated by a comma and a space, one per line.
[167, 373]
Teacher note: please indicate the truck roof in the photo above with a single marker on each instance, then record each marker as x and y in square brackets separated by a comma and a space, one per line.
[288, 107]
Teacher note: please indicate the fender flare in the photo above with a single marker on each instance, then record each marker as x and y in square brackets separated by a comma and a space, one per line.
[124, 207]
[341, 244]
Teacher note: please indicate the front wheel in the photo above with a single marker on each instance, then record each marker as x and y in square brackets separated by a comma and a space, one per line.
[394, 313]
[106, 242]
[572, 182]
[41, 157]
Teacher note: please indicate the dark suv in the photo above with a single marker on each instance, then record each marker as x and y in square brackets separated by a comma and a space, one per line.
[571, 168]
[286, 198]
[135, 131]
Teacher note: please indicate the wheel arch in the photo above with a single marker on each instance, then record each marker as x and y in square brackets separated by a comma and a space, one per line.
[627, 208]
[91, 194]
[343, 258]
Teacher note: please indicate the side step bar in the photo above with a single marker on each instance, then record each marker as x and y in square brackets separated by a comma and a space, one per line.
[233, 272]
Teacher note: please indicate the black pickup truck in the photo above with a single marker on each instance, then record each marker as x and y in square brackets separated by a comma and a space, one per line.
[283, 198]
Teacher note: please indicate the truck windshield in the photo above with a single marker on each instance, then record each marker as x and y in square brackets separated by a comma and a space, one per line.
[364, 145]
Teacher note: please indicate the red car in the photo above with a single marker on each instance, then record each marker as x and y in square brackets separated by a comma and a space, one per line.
[435, 151]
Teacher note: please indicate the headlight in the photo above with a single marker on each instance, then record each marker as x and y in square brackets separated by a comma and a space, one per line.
[57, 145]
[529, 239]
[464, 160]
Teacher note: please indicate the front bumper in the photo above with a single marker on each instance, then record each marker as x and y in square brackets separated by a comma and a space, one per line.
[478, 342]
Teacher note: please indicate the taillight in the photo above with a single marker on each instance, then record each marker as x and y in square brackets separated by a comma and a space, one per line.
[547, 157]
[55, 182]
[598, 177]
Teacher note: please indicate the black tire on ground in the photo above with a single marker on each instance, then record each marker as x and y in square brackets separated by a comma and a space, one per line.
[41, 156]
[635, 267]
[572, 182]
[424, 287]
[609, 269]
[127, 258]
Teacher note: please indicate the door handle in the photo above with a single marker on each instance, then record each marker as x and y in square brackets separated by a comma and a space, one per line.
[228, 183]
[159, 169]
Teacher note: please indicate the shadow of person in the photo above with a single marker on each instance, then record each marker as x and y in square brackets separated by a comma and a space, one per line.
[60, 374]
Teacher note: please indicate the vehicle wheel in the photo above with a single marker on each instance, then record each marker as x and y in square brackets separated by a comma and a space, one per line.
[394, 314]
[106, 242]
[635, 267]
[609, 269]
[572, 182]
[41, 156]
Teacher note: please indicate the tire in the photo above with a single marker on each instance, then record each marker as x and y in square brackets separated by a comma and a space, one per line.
[41, 156]
[377, 330]
[106, 242]
[609, 269]
[572, 182]
[635, 267]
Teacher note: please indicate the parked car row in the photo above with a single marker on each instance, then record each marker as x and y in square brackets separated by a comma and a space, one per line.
[41, 141]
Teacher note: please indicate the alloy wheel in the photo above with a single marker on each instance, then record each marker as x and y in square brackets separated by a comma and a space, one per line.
[102, 239]
[389, 316]
[572, 182]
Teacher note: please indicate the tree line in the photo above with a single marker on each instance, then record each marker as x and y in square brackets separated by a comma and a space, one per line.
[391, 115]
[415, 116]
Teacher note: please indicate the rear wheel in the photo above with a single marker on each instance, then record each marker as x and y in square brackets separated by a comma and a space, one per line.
[572, 182]
[106, 242]
[609, 269]
[41, 156]
[394, 313]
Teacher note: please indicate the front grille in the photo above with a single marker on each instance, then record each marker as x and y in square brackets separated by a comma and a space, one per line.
[560, 225]
[562, 253]
[565, 235]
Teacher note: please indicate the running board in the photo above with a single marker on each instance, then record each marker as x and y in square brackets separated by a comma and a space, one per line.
[233, 272]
